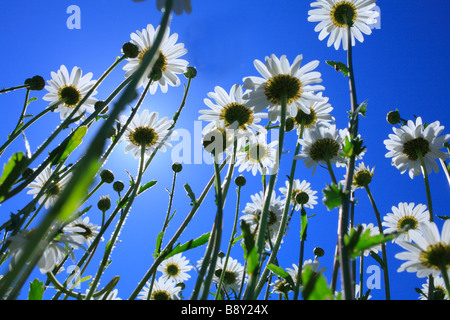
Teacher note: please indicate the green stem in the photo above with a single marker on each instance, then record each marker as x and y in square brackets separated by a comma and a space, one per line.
[444, 274]
[300, 260]
[383, 245]
[24, 110]
[216, 233]
[345, 205]
[427, 184]
[172, 242]
[230, 244]
[119, 225]
[169, 209]
[361, 275]
[254, 290]
[14, 88]
[96, 241]
[18, 132]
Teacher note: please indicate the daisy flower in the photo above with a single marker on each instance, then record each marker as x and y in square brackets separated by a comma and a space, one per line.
[440, 292]
[278, 76]
[428, 251]
[167, 61]
[416, 139]
[148, 131]
[319, 111]
[71, 88]
[229, 110]
[301, 194]
[234, 273]
[161, 290]
[320, 144]
[405, 215]
[252, 213]
[362, 177]
[82, 230]
[332, 15]
[257, 155]
[52, 192]
[53, 254]
[175, 268]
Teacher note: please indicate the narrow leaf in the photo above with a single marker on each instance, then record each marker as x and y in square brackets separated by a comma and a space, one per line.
[281, 273]
[11, 172]
[315, 286]
[339, 67]
[68, 146]
[191, 244]
[190, 194]
[250, 253]
[146, 186]
[36, 291]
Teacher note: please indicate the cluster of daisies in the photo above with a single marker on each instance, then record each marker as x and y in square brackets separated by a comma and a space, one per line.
[235, 128]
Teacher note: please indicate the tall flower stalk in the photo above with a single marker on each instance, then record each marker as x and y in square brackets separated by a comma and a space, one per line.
[345, 205]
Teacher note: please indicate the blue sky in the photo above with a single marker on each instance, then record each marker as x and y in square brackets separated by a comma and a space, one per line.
[403, 65]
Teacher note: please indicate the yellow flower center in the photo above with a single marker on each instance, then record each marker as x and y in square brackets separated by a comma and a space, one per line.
[71, 96]
[276, 85]
[236, 112]
[143, 136]
[343, 12]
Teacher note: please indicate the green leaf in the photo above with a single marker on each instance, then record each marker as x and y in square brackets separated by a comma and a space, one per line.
[11, 172]
[347, 149]
[190, 194]
[68, 146]
[36, 291]
[146, 186]
[359, 241]
[333, 195]
[282, 273]
[158, 244]
[304, 224]
[31, 100]
[315, 286]
[339, 66]
[191, 244]
[250, 253]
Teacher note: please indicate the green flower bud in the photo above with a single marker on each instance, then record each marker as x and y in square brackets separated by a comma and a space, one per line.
[118, 186]
[36, 83]
[104, 203]
[393, 117]
[191, 73]
[301, 198]
[130, 50]
[240, 181]
[318, 252]
[100, 105]
[107, 176]
[177, 167]
[289, 124]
